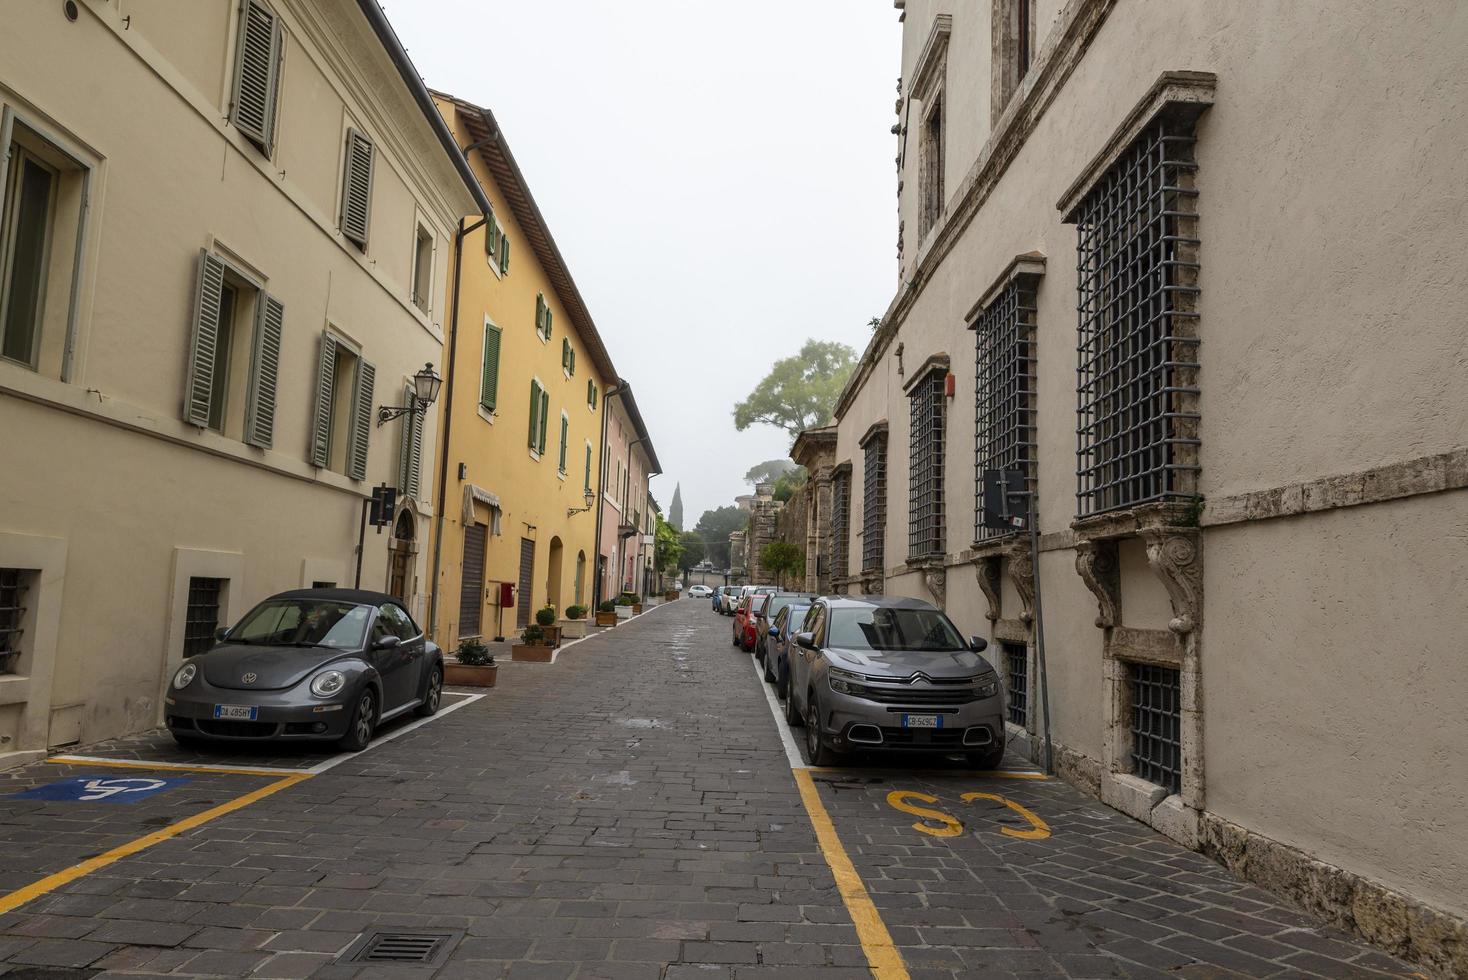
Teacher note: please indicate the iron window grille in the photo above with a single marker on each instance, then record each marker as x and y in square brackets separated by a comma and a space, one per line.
[1156, 722]
[202, 616]
[1017, 663]
[1137, 272]
[925, 528]
[13, 588]
[874, 504]
[840, 522]
[1004, 394]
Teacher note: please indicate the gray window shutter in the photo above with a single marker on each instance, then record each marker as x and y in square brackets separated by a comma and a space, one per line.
[206, 336]
[264, 367]
[357, 188]
[361, 421]
[257, 74]
[321, 424]
[410, 449]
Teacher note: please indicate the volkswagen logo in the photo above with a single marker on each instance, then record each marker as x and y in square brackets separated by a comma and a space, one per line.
[250, 678]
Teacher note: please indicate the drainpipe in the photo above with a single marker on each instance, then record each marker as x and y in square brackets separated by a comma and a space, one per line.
[606, 397]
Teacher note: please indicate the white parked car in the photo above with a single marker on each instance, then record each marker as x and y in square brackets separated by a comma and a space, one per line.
[699, 592]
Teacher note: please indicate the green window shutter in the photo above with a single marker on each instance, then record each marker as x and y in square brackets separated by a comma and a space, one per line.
[257, 74]
[573, 362]
[534, 412]
[361, 420]
[591, 393]
[489, 378]
[200, 388]
[504, 254]
[565, 438]
[356, 213]
[548, 319]
[540, 312]
[565, 354]
[410, 449]
[264, 371]
[544, 416]
[321, 425]
[588, 466]
[491, 238]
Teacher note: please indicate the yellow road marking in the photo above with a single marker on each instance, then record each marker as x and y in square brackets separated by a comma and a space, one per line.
[967, 773]
[64, 760]
[897, 799]
[1041, 828]
[52, 882]
[876, 942]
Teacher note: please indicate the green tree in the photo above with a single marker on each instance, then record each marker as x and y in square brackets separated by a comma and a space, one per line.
[675, 509]
[789, 482]
[694, 550]
[783, 559]
[714, 528]
[799, 392]
[666, 547]
[769, 471]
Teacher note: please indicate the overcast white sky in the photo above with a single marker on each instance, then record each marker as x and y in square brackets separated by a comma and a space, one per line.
[718, 174]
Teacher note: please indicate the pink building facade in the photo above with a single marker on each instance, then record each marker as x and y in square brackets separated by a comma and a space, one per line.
[627, 524]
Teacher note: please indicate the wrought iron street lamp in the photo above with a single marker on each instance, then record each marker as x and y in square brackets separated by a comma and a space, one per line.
[589, 495]
[426, 384]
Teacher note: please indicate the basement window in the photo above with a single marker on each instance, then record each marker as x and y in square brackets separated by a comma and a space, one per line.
[15, 586]
[1155, 700]
[201, 618]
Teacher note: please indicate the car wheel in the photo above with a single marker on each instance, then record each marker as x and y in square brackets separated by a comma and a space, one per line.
[768, 662]
[734, 637]
[433, 695]
[990, 759]
[815, 744]
[792, 711]
[363, 723]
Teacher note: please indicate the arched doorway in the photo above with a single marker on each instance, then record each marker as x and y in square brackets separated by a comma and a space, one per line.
[580, 578]
[553, 574]
[401, 553]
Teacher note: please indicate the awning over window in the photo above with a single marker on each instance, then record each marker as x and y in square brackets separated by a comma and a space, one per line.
[483, 496]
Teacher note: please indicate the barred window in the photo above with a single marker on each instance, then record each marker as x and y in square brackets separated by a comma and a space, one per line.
[1156, 719]
[840, 521]
[925, 531]
[1004, 393]
[874, 503]
[202, 616]
[1017, 663]
[1137, 272]
[14, 584]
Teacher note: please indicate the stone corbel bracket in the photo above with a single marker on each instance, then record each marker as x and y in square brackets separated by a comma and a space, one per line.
[986, 571]
[1176, 557]
[935, 577]
[1097, 565]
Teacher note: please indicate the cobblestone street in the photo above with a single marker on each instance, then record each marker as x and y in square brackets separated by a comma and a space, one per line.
[626, 812]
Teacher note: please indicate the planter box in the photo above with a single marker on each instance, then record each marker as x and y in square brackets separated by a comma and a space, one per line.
[637, 609]
[625, 612]
[552, 635]
[606, 619]
[573, 629]
[671, 595]
[536, 653]
[465, 675]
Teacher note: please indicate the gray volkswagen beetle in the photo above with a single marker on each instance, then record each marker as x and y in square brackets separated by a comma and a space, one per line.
[309, 664]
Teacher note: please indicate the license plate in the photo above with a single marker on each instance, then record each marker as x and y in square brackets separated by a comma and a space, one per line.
[235, 712]
[922, 721]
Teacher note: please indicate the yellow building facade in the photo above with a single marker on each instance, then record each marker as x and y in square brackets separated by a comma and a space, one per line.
[522, 416]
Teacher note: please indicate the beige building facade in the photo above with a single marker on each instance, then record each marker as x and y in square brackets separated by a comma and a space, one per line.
[204, 307]
[1194, 272]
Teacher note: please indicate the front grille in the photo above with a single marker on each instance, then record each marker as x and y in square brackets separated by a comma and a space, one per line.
[237, 729]
[1156, 719]
[1017, 660]
[935, 737]
[916, 696]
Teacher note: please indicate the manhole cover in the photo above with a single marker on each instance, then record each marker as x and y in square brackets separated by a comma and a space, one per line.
[406, 947]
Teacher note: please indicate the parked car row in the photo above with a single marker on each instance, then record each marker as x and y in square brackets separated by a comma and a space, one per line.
[870, 673]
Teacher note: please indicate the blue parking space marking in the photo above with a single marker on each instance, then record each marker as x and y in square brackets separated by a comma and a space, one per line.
[101, 789]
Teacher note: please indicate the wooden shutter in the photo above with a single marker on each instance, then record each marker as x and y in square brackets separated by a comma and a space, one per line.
[534, 411]
[504, 253]
[573, 362]
[489, 378]
[410, 449]
[544, 415]
[491, 238]
[591, 393]
[257, 74]
[361, 421]
[264, 369]
[565, 437]
[200, 388]
[357, 188]
[548, 318]
[540, 313]
[565, 354]
[588, 466]
[321, 425]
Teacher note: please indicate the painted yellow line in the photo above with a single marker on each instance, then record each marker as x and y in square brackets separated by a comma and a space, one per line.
[87, 762]
[876, 942]
[1041, 829]
[969, 773]
[52, 882]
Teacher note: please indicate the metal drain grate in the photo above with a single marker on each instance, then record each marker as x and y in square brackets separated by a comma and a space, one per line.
[405, 947]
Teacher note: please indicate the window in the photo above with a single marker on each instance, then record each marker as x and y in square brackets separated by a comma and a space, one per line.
[356, 211]
[930, 157]
[1137, 424]
[543, 319]
[322, 622]
[874, 501]
[491, 239]
[422, 268]
[201, 618]
[925, 530]
[397, 621]
[43, 197]
[410, 448]
[504, 254]
[565, 442]
[343, 421]
[1004, 393]
[1013, 50]
[489, 369]
[1017, 665]
[1155, 699]
[568, 357]
[591, 394]
[539, 412]
[840, 521]
[257, 75]
[14, 585]
[234, 354]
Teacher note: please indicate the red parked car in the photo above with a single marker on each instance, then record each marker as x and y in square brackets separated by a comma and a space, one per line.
[750, 621]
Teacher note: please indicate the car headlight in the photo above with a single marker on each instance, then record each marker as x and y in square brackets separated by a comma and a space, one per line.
[184, 677]
[327, 683]
[985, 685]
[844, 681]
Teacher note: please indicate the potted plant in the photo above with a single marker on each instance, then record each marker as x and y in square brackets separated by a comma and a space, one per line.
[574, 625]
[671, 594]
[533, 646]
[473, 665]
[546, 620]
[625, 608]
[606, 614]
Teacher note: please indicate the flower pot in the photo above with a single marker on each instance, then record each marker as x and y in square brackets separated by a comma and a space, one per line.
[671, 595]
[625, 612]
[637, 609]
[573, 629]
[469, 675]
[535, 653]
[606, 618]
[552, 635]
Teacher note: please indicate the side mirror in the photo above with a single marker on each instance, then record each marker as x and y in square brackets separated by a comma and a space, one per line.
[387, 643]
[978, 643]
[774, 633]
[807, 640]
[220, 633]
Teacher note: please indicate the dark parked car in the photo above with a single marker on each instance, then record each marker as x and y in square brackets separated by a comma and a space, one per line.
[779, 636]
[308, 664]
[881, 672]
[764, 613]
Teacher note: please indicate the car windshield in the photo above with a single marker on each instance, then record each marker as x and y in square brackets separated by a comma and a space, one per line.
[886, 628]
[307, 622]
[777, 603]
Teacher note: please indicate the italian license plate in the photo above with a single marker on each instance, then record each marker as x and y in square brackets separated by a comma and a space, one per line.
[922, 721]
[235, 712]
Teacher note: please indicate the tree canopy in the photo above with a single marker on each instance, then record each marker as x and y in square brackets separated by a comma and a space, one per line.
[666, 548]
[694, 550]
[799, 392]
[782, 559]
[714, 528]
[769, 471]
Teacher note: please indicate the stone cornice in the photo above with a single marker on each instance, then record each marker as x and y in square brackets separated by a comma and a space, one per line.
[878, 428]
[1030, 265]
[935, 50]
[936, 362]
